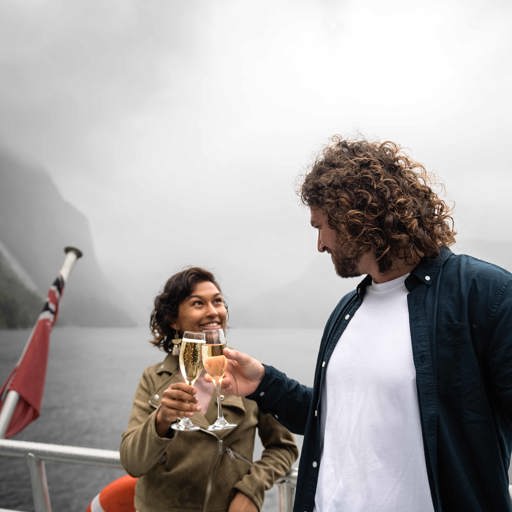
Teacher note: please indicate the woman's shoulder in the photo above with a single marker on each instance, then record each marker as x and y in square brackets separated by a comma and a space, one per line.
[168, 366]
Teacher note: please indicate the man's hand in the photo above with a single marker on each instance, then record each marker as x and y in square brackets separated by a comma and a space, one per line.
[241, 503]
[243, 373]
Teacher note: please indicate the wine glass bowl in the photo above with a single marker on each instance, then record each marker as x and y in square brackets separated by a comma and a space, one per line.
[214, 363]
[190, 362]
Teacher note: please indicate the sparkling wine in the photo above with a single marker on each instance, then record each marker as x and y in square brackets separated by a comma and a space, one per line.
[214, 361]
[190, 360]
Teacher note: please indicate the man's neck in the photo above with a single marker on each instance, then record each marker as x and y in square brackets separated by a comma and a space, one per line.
[398, 269]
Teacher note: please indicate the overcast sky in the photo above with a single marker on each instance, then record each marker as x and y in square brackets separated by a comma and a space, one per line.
[180, 128]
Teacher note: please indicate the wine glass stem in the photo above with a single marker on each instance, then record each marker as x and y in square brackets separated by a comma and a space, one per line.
[220, 416]
[184, 419]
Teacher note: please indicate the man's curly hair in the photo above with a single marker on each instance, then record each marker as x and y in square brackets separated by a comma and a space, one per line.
[166, 305]
[379, 199]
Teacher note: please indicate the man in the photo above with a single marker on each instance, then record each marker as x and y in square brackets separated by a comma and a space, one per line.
[411, 407]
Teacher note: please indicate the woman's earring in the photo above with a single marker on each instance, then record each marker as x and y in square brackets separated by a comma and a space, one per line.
[176, 342]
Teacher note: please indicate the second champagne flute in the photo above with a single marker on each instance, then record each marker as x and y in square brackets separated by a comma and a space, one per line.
[214, 362]
[190, 366]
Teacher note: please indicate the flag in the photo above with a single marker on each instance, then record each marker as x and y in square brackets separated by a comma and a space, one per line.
[28, 376]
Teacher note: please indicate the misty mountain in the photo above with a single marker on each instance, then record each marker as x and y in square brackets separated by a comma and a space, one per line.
[308, 300]
[19, 303]
[36, 223]
[305, 302]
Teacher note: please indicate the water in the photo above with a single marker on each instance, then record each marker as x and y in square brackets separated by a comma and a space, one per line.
[91, 378]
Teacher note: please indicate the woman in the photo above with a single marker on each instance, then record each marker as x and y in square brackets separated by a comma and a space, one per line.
[201, 470]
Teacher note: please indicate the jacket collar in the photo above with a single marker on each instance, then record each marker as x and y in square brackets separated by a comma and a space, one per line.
[361, 287]
[169, 365]
[425, 272]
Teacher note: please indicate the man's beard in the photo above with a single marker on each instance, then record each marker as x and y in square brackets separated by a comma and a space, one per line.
[346, 267]
[346, 259]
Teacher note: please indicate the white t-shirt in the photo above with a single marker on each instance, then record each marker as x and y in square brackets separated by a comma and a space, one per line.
[373, 458]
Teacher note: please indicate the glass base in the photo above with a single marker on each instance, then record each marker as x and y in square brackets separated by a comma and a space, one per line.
[185, 425]
[221, 424]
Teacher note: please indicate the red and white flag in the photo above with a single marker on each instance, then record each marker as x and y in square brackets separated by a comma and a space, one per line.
[28, 376]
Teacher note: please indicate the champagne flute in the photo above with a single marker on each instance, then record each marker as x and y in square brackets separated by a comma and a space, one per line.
[214, 362]
[190, 366]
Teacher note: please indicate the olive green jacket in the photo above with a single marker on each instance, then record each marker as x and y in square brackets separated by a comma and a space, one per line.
[200, 471]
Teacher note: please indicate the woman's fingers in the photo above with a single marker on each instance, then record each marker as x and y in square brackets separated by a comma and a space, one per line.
[181, 386]
[178, 400]
[178, 395]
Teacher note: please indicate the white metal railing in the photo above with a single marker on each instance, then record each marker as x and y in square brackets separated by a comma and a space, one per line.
[37, 453]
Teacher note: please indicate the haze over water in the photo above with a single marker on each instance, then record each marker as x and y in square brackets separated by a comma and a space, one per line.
[180, 128]
[91, 380]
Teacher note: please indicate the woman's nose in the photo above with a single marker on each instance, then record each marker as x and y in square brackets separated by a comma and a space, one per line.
[212, 310]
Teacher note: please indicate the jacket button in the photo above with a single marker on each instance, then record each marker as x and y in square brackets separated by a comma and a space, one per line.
[316, 412]
[347, 316]
[427, 278]
[315, 464]
[262, 393]
[323, 364]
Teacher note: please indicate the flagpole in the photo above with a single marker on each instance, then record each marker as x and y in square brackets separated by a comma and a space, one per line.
[12, 397]
[72, 254]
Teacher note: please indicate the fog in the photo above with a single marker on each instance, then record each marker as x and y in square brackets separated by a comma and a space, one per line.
[180, 129]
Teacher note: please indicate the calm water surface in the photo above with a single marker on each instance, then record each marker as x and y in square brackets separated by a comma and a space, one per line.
[91, 378]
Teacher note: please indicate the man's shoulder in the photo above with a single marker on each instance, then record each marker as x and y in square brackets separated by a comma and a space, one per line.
[472, 266]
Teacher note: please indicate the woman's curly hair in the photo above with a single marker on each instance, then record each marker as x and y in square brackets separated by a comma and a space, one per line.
[377, 197]
[166, 306]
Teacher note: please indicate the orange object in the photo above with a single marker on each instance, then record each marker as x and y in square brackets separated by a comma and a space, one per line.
[117, 496]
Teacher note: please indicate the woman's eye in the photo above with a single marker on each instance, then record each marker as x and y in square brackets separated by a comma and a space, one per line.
[197, 303]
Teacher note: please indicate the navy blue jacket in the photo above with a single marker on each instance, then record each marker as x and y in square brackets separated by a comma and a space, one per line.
[460, 314]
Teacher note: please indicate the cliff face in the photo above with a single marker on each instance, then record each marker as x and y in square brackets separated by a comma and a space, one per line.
[36, 223]
[19, 304]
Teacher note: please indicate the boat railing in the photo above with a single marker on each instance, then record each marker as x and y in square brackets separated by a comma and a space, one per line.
[36, 454]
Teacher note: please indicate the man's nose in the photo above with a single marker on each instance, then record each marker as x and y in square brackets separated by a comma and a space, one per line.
[319, 244]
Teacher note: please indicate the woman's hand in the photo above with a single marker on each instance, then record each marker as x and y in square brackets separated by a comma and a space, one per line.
[243, 373]
[241, 503]
[178, 400]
